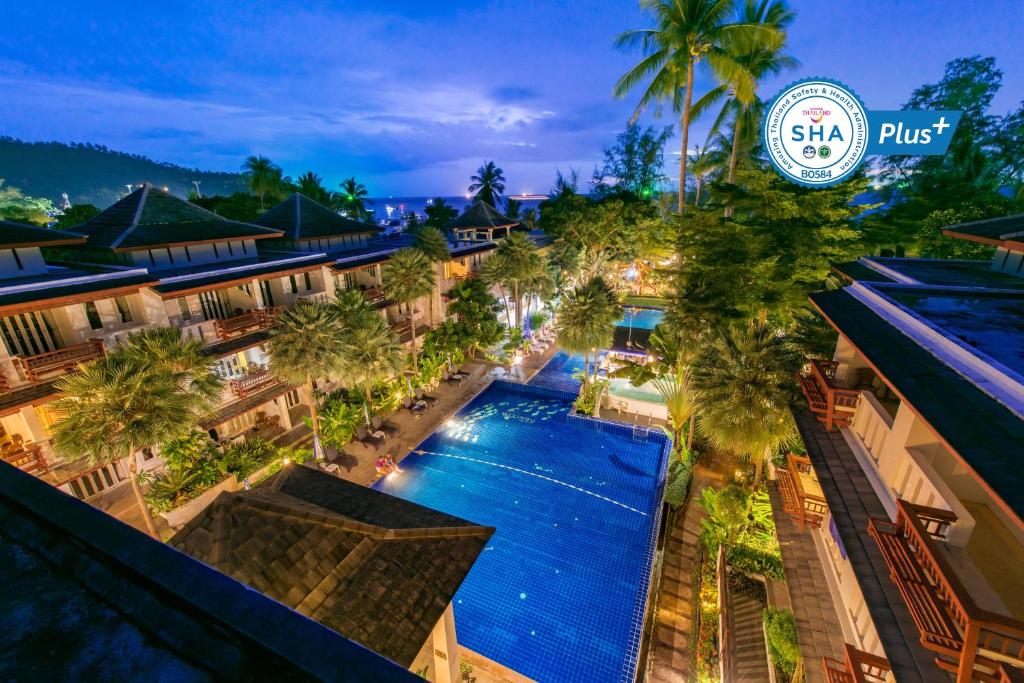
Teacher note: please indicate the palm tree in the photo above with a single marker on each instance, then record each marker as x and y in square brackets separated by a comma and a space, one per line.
[586, 321]
[409, 276]
[704, 162]
[152, 390]
[440, 213]
[488, 184]
[306, 344]
[372, 352]
[431, 242]
[495, 271]
[262, 175]
[513, 208]
[687, 35]
[743, 378]
[522, 263]
[353, 199]
[312, 186]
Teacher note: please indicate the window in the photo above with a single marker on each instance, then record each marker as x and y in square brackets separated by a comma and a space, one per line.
[350, 280]
[245, 250]
[17, 259]
[308, 281]
[372, 271]
[231, 252]
[123, 309]
[294, 284]
[95, 322]
[170, 256]
[215, 252]
[268, 296]
[188, 255]
[186, 312]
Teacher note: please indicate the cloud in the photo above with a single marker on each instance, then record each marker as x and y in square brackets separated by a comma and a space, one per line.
[514, 93]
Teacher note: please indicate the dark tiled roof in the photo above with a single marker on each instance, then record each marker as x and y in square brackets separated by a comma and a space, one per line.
[852, 501]
[951, 272]
[302, 218]
[480, 215]
[224, 273]
[855, 270]
[991, 230]
[375, 568]
[977, 427]
[19, 235]
[459, 252]
[43, 297]
[150, 217]
[87, 597]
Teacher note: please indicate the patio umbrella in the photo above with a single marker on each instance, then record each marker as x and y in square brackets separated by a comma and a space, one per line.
[449, 356]
[408, 383]
[318, 448]
[366, 413]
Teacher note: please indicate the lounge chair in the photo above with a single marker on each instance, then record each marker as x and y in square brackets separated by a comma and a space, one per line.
[454, 378]
[414, 406]
[461, 373]
[430, 400]
[382, 425]
[373, 440]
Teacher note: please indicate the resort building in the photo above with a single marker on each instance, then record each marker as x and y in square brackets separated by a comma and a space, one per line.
[911, 495]
[152, 259]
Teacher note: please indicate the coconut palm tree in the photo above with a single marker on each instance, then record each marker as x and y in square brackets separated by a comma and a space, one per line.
[743, 377]
[409, 276]
[263, 176]
[353, 199]
[431, 242]
[688, 34]
[312, 186]
[495, 272]
[586, 321]
[703, 162]
[371, 349]
[513, 209]
[133, 399]
[306, 344]
[488, 184]
[522, 263]
[439, 214]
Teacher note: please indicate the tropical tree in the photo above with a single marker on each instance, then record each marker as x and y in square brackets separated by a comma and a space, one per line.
[431, 242]
[513, 208]
[409, 275]
[262, 175]
[312, 186]
[353, 199]
[142, 395]
[495, 271]
[703, 162]
[476, 308]
[743, 376]
[522, 263]
[307, 344]
[586, 321]
[371, 350]
[439, 214]
[488, 184]
[687, 35]
[76, 215]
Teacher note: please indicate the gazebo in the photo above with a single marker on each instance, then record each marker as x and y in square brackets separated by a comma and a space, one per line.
[479, 223]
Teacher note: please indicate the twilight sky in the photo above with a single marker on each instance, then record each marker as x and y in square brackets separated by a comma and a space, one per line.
[411, 95]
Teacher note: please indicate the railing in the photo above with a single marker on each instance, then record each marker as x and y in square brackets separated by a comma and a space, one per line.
[251, 382]
[970, 641]
[37, 367]
[807, 508]
[873, 424]
[859, 667]
[259, 319]
[374, 295]
[833, 403]
[94, 482]
[28, 457]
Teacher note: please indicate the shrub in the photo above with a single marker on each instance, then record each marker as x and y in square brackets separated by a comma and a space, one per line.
[680, 471]
[538, 319]
[248, 455]
[586, 402]
[780, 627]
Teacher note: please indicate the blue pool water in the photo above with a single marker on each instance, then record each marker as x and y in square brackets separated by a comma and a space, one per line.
[641, 318]
[559, 592]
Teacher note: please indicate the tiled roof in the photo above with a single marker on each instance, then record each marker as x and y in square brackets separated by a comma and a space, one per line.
[236, 272]
[975, 426]
[378, 569]
[481, 215]
[39, 297]
[994, 231]
[19, 235]
[943, 272]
[87, 597]
[302, 218]
[150, 217]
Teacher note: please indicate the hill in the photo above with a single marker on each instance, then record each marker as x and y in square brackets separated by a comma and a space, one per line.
[96, 175]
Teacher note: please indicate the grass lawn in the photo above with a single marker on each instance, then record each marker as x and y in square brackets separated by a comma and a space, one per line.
[649, 301]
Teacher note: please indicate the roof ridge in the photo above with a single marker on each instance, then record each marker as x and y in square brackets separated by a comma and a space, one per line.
[143, 196]
[255, 499]
[339, 574]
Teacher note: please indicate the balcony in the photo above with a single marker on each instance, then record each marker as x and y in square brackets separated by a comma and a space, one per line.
[251, 382]
[375, 295]
[28, 457]
[802, 498]
[260, 319]
[47, 365]
[832, 402]
[403, 329]
[972, 642]
[859, 667]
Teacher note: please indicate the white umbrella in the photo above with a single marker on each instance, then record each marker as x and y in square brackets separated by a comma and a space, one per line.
[408, 382]
[366, 413]
[318, 449]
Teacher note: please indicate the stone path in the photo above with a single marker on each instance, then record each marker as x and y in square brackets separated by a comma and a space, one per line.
[750, 654]
[817, 622]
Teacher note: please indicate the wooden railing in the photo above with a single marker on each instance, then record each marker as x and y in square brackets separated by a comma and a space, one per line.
[807, 508]
[833, 403]
[374, 295]
[43, 365]
[259, 319]
[859, 667]
[968, 640]
[251, 382]
[28, 457]
[95, 481]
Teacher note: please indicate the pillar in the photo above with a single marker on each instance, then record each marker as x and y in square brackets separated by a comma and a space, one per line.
[446, 649]
[282, 408]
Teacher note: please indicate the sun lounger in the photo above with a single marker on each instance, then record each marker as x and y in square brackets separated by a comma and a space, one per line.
[414, 406]
[430, 400]
[373, 440]
[383, 425]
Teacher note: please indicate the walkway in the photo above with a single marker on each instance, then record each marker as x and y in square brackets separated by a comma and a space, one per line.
[817, 622]
[746, 623]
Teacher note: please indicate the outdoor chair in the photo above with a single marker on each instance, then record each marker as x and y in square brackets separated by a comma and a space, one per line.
[382, 425]
[416, 406]
[372, 440]
[427, 398]
[454, 378]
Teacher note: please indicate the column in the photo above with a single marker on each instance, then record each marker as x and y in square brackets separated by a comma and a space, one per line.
[446, 649]
[282, 408]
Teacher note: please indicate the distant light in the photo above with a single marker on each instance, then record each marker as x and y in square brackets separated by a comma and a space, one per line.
[286, 461]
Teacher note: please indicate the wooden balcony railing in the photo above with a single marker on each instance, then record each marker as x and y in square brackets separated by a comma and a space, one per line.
[969, 641]
[259, 319]
[374, 295]
[28, 457]
[802, 498]
[251, 382]
[859, 667]
[95, 481]
[45, 365]
[833, 403]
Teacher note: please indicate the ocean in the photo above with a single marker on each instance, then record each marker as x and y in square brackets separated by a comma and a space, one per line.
[402, 205]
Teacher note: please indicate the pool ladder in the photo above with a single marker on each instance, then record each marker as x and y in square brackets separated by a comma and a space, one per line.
[641, 432]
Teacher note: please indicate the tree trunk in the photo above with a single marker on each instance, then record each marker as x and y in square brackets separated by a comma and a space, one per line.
[369, 397]
[314, 414]
[689, 437]
[686, 135]
[759, 466]
[733, 157]
[412, 329]
[696, 194]
[586, 367]
[518, 306]
[508, 313]
[147, 516]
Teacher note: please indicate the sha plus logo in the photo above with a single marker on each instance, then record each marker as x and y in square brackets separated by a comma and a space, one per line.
[815, 132]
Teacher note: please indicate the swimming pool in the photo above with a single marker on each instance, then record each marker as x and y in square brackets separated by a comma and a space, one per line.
[640, 318]
[559, 592]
